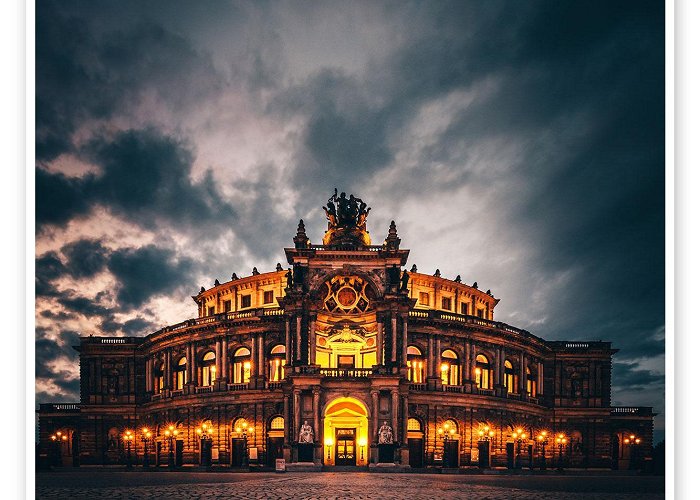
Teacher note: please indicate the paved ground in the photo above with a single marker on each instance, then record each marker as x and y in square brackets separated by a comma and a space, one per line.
[98, 484]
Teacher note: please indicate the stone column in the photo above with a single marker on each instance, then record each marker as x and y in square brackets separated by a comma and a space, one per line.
[297, 414]
[467, 362]
[394, 410]
[404, 426]
[317, 398]
[380, 342]
[375, 415]
[193, 365]
[287, 423]
[540, 379]
[312, 340]
[404, 342]
[298, 334]
[217, 353]
[168, 373]
[437, 359]
[287, 342]
[394, 334]
[261, 355]
[497, 369]
[224, 359]
[149, 379]
[431, 357]
[523, 373]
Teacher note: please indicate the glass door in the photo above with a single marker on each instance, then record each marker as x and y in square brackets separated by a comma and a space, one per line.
[345, 447]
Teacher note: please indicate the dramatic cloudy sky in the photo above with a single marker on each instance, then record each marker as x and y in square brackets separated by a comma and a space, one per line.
[518, 144]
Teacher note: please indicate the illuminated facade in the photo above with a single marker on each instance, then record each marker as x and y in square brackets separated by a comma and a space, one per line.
[347, 340]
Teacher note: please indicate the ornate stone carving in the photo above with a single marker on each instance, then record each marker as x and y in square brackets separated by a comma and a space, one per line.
[306, 433]
[386, 434]
[347, 221]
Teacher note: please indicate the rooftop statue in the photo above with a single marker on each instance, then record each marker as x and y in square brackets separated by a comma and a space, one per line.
[347, 220]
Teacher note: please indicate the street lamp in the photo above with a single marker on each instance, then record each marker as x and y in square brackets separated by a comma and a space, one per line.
[561, 441]
[205, 432]
[145, 438]
[447, 433]
[329, 444]
[633, 441]
[484, 446]
[362, 442]
[543, 440]
[518, 437]
[243, 431]
[128, 437]
[170, 433]
[56, 439]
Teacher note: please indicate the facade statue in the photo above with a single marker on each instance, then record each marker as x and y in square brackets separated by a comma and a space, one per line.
[347, 218]
[386, 434]
[306, 433]
[290, 281]
[404, 280]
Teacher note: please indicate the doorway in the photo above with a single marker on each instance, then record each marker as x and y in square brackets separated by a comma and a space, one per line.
[345, 447]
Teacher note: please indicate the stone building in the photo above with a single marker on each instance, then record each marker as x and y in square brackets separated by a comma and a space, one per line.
[345, 341]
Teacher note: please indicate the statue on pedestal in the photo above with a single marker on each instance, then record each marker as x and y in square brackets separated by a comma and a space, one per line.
[386, 434]
[306, 433]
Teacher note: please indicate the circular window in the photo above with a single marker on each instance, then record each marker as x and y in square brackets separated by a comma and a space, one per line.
[347, 295]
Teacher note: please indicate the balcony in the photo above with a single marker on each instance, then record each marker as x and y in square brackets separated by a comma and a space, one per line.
[346, 372]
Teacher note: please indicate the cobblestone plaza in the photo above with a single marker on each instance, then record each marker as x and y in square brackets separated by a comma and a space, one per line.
[184, 485]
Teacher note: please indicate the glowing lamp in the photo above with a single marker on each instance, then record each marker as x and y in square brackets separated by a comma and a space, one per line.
[362, 441]
[328, 441]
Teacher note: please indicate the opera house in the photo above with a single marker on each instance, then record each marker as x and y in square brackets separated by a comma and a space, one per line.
[345, 358]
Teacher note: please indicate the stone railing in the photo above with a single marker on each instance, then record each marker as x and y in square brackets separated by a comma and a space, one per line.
[203, 389]
[631, 410]
[418, 387]
[429, 314]
[237, 387]
[346, 372]
[274, 385]
[58, 407]
[455, 388]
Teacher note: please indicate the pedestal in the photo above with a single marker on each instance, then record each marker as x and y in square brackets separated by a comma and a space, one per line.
[386, 453]
[305, 452]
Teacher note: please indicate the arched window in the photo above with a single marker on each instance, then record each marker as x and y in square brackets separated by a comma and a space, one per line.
[241, 366]
[181, 373]
[277, 361]
[483, 374]
[531, 383]
[158, 378]
[414, 425]
[416, 373]
[277, 424]
[509, 379]
[449, 368]
[208, 368]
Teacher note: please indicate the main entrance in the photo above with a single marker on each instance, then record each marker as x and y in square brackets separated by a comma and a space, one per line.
[345, 447]
[345, 432]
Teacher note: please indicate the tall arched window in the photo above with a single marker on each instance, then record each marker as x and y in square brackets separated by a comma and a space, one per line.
[449, 368]
[241, 366]
[277, 361]
[483, 374]
[509, 380]
[415, 365]
[181, 373]
[414, 425]
[158, 378]
[208, 368]
[531, 383]
[277, 424]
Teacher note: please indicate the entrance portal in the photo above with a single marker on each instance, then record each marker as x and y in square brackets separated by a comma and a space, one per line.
[345, 433]
[345, 447]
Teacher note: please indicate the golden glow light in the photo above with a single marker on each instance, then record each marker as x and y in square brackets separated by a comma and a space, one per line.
[328, 441]
[362, 441]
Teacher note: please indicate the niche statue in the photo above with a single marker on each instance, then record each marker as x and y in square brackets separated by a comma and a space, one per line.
[306, 433]
[386, 434]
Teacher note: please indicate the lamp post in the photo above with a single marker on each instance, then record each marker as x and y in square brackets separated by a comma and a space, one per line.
[362, 442]
[128, 438]
[205, 432]
[518, 436]
[243, 433]
[447, 433]
[484, 444]
[57, 438]
[561, 441]
[145, 438]
[632, 441]
[329, 444]
[170, 433]
[543, 440]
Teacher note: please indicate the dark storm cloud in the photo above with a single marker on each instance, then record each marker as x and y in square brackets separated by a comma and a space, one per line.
[146, 272]
[145, 176]
[47, 351]
[82, 76]
[630, 376]
[85, 258]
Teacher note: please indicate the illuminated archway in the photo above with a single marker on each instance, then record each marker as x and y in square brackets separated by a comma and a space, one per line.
[345, 432]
